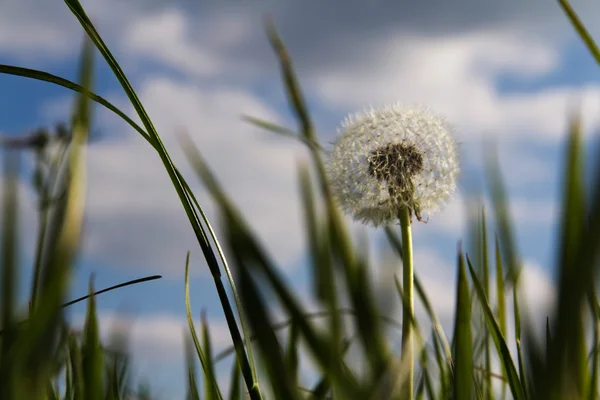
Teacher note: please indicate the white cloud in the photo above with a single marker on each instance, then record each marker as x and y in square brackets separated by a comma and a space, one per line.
[134, 215]
[33, 29]
[163, 36]
[457, 76]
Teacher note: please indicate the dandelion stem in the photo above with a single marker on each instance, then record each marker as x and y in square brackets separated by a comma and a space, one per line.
[408, 283]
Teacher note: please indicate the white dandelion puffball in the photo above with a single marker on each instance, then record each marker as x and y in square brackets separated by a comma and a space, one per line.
[392, 157]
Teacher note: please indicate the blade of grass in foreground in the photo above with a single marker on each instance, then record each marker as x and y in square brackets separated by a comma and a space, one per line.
[501, 346]
[463, 356]
[245, 359]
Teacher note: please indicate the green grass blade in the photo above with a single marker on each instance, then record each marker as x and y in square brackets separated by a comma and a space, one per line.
[77, 382]
[256, 309]
[567, 367]
[204, 361]
[499, 341]
[192, 386]
[292, 361]
[463, 355]
[235, 392]
[318, 347]
[488, 394]
[179, 185]
[210, 375]
[92, 360]
[281, 131]
[502, 216]
[583, 33]
[9, 271]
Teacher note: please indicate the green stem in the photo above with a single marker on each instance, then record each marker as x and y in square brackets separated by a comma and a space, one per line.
[408, 356]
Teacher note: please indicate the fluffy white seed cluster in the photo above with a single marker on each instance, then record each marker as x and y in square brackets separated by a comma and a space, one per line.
[391, 157]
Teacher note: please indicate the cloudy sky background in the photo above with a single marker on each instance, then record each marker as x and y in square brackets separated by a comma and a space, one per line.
[504, 71]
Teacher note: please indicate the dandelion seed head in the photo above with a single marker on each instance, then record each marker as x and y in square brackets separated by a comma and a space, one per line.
[391, 157]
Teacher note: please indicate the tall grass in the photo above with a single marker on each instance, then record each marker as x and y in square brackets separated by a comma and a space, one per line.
[41, 358]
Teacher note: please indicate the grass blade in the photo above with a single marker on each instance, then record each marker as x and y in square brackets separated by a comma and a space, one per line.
[192, 386]
[203, 360]
[463, 355]
[92, 362]
[501, 346]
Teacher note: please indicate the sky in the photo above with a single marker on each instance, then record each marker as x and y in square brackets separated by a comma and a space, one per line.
[501, 71]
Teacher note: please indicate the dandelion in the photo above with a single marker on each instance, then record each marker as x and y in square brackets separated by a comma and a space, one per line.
[389, 164]
[390, 158]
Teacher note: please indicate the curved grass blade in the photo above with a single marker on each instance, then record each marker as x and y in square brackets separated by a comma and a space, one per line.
[580, 28]
[282, 131]
[248, 368]
[108, 289]
[501, 346]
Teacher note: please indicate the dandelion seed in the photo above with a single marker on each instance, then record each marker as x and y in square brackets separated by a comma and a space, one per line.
[393, 157]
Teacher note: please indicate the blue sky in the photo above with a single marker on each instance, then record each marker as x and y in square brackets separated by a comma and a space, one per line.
[506, 72]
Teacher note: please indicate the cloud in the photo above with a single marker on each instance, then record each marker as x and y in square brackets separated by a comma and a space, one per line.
[133, 213]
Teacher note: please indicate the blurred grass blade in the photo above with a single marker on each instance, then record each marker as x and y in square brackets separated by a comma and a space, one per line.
[567, 367]
[9, 269]
[292, 361]
[463, 355]
[487, 380]
[92, 361]
[204, 361]
[256, 258]
[501, 346]
[281, 131]
[592, 389]
[37, 345]
[77, 382]
[235, 392]
[323, 274]
[258, 313]
[210, 375]
[192, 386]
[502, 216]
